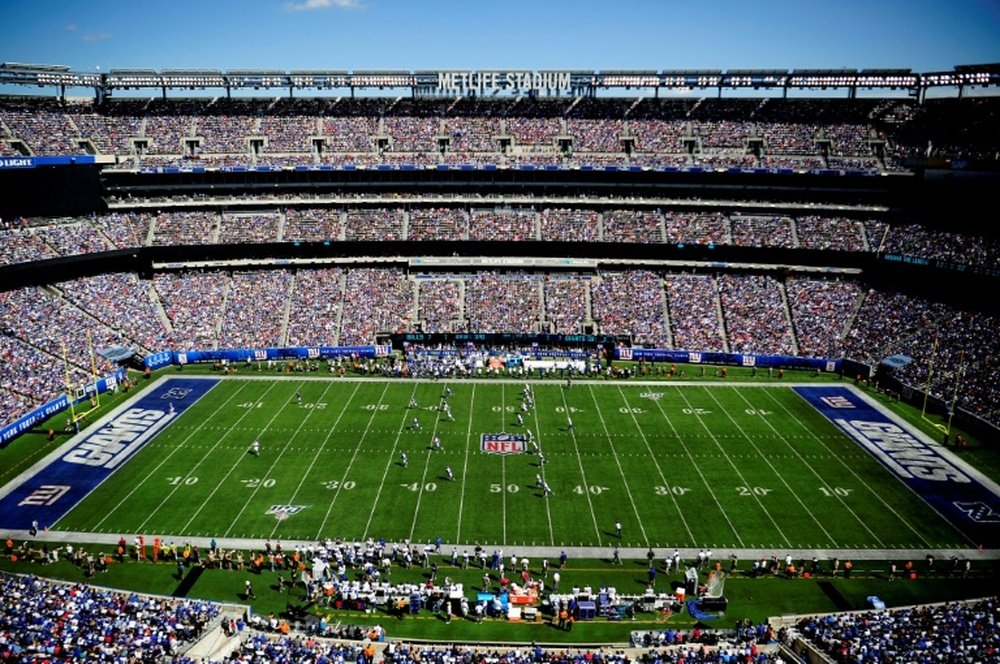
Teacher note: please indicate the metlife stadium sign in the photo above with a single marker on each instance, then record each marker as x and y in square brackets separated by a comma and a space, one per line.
[494, 81]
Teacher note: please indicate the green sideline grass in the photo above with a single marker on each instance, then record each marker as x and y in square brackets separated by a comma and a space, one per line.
[749, 598]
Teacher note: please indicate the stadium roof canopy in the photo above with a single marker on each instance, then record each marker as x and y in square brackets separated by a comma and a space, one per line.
[466, 82]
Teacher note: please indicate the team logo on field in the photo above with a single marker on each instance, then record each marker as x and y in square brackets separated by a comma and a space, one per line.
[837, 402]
[282, 512]
[503, 443]
[47, 494]
[978, 511]
[655, 396]
[176, 393]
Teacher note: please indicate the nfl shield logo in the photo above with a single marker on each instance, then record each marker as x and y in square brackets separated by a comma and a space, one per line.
[282, 512]
[503, 443]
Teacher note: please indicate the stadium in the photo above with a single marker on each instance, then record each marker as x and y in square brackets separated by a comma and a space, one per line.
[392, 346]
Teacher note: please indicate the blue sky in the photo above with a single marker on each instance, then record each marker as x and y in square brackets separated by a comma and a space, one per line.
[513, 34]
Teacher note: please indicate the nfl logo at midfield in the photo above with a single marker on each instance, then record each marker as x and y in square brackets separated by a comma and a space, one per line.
[503, 443]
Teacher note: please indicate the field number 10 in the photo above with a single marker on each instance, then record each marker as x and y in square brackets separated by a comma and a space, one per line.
[835, 491]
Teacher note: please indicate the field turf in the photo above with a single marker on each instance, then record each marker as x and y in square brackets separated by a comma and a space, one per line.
[677, 465]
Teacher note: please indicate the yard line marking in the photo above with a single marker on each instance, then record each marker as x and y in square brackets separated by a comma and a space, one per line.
[548, 507]
[734, 466]
[621, 471]
[742, 395]
[274, 463]
[465, 466]
[697, 468]
[427, 463]
[234, 466]
[503, 466]
[849, 469]
[388, 465]
[124, 501]
[770, 465]
[357, 448]
[659, 470]
[583, 474]
[316, 456]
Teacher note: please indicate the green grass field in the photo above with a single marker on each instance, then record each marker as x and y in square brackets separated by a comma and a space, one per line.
[678, 465]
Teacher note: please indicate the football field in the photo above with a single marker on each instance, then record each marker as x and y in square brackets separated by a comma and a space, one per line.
[676, 465]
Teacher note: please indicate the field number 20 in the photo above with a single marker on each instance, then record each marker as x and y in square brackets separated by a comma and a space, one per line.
[752, 491]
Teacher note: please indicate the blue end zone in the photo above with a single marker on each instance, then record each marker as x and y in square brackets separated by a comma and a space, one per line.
[74, 472]
[956, 493]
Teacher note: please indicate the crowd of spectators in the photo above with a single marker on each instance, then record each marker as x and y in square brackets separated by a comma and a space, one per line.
[886, 319]
[58, 328]
[502, 302]
[821, 311]
[440, 308]
[837, 233]
[23, 245]
[697, 228]
[349, 306]
[48, 238]
[227, 130]
[29, 376]
[565, 299]
[638, 226]
[952, 632]
[185, 228]
[315, 306]
[254, 309]
[961, 345]
[239, 228]
[374, 224]
[631, 304]
[262, 649]
[312, 225]
[192, 302]
[953, 247]
[375, 301]
[755, 315]
[472, 134]
[289, 132]
[695, 317]
[504, 224]
[437, 224]
[790, 133]
[42, 124]
[121, 302]
[570, 225]
[761, 231]
[78, 237]
[50, 621]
